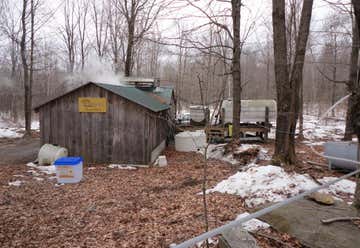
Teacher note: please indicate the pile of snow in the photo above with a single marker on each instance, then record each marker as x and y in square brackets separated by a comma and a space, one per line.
[253, 224]
[16, 183]
[122, 167]
[262, 184]
[343, 187]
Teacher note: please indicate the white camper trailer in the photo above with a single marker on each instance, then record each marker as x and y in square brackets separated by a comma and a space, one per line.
[252, 111]
[255, 120]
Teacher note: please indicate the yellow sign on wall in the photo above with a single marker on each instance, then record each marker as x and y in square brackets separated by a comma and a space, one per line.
[92, 105]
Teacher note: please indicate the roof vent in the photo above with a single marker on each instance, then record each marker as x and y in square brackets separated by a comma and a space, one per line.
[143, 83]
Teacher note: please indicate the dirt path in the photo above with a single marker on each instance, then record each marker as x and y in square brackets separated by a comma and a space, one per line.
[18, 151]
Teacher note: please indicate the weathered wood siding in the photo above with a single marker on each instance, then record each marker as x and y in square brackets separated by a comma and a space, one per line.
[126, 133]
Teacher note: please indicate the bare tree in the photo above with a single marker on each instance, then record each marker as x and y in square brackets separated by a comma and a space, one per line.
[238, 38]
[352, 83]
[236, 66]
[140, 16]
[82, 20]
[10, 28]
[116, 39]
[288, 82]
[68, 33]
[355, 111]
[99, 17]
[24, 60]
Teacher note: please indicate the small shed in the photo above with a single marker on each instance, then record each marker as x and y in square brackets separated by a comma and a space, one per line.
[109, 123]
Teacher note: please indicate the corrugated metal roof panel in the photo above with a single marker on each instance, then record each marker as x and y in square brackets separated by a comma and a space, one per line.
[164, 92]
[143, 98]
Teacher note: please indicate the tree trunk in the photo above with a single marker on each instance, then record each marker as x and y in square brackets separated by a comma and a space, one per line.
[351, 86]
[333, 87]
[301, 112]
[129, 49]
[283, 90]
[355, 110]
[13, 56]
[296, 79]
[31, 76]
[236, 67]
[288, 88]
[27, 91]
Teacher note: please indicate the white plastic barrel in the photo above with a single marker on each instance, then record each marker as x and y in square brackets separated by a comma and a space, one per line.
[49, 153]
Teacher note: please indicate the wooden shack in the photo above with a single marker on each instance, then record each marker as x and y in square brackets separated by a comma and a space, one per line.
[106, 123]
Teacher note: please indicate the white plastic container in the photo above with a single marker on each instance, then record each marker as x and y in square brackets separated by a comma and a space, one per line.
[162, 161]
[69, 169]
[49, 153]
[190, 141]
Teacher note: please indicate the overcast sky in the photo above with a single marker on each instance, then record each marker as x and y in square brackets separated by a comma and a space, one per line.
[258, 11]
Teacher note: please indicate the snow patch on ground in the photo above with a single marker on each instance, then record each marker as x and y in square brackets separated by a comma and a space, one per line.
[16, 183]
[313, 130]
[262, 184]
[122, 167]
[12, 130]
[10, 133]
[344, 186]
[49, 169]
[253, 224]
[217, 152]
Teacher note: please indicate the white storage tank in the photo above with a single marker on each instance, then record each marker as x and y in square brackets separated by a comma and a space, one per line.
[198, 115]
[49, 153]
[252, 111]
[190, 141]
[69, 169]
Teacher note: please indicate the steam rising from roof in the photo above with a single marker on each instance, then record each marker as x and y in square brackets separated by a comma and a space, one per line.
[96, 71]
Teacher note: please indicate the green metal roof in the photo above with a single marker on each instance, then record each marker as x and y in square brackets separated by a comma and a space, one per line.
[164, 92]
[156, 100]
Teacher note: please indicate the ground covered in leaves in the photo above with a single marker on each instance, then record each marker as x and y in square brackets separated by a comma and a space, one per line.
[146, 207]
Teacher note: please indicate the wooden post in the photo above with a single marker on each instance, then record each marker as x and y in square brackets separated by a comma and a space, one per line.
[267, 124]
